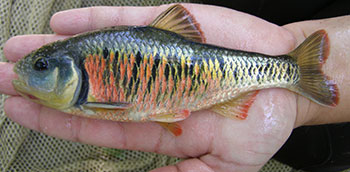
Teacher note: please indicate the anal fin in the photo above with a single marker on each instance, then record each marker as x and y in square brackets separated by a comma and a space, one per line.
[174, 128]
[237, 107]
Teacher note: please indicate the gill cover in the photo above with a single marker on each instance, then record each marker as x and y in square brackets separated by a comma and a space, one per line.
[67, 88]
[55, 83]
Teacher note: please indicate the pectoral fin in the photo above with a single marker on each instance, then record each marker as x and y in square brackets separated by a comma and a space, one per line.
[237, 107]
[107, 106]
[174, 128]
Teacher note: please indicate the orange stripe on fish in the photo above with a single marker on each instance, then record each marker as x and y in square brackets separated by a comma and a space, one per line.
[114, 93]
[196, 69]
[154, 93]
[170, 89]
[129, 72]
[132, 59]
[142, 72]
[114, 96]
[147, 70]
[162, 78]
[182, 84]
[108, 91]
[188, 87]
[157, 82]
[125, 58]
[122, 72]
[151, 61]
[121, 96]
[111, 58]
[91, 69]
[148, 73]
[170, 84]
[147, 101]
[202, 88]
[161, 71]
[164, 85]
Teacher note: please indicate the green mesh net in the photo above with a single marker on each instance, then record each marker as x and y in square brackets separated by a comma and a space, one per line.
[22, 149]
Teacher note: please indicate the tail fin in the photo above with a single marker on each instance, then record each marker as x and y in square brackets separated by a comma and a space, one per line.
[310, 56]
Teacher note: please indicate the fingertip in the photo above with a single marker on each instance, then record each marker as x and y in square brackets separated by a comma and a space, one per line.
[12, 49]
[70, 22]
[7, 75]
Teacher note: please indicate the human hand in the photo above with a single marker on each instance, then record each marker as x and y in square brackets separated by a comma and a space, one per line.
[209, 141]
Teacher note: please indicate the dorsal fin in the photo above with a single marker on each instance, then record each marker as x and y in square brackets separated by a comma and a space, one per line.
[177, 19]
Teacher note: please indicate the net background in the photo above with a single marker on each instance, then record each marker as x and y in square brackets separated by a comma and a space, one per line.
[22, 149]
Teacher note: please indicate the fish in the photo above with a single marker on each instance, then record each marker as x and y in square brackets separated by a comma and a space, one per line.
[164, 71]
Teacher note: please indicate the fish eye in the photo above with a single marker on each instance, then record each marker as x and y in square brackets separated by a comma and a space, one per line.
[40, 64]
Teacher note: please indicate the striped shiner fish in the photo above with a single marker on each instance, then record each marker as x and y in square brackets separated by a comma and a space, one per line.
[164, 71]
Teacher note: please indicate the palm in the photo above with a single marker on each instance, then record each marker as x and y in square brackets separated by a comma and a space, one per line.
[214, 142]
[241, 145]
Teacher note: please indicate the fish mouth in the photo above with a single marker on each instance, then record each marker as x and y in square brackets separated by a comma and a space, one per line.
[22, 89]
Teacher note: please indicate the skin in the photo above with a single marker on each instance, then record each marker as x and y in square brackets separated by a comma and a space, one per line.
[209, 141]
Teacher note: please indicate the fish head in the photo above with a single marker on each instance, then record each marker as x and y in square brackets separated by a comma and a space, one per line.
[49, 77]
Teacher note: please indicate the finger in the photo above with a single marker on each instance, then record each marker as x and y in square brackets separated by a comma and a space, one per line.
[19, 46]
[65, 126]
[245, 31]
[75, 21]
[186, 166]
[7, 75]
[148, 137]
